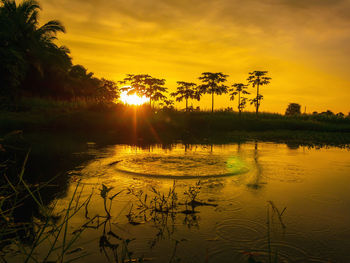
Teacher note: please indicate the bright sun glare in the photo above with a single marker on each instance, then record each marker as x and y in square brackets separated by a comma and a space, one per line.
[132, 99]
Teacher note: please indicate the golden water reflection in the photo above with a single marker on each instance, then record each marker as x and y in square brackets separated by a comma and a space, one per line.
[236, 181]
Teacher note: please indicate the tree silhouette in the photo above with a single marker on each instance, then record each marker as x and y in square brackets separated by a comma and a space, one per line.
[155, 89]
[167, 104]
[28, 50]
[238, 89]
[256, 102]
[33, 65]
[242, 104]
[293, 109]
[145, 85]
[186, 90]
[212, 85]
[107, 91]
[136, 84]
[82, 84]
[257, 79]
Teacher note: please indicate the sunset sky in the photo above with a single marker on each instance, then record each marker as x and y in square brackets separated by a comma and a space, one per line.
[304, 44]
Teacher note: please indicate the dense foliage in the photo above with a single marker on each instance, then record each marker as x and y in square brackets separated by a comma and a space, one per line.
[32, 64]
[293, 109]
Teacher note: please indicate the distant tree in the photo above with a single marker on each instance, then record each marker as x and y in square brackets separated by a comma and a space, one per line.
[80, 72]
[212, 84]
[167, 104]
[186, 90]
[136, 83]
[242, 104]
[340, 115]
[256, 102]
[108, 91]
[82, 83]
[238, 89]
[293, 109]
[145, 85]
[258, 79]
[155, 89]
[327, 113]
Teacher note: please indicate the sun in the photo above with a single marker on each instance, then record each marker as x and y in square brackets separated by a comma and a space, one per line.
[132, 99]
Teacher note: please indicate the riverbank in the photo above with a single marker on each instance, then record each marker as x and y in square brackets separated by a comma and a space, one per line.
[142, 125]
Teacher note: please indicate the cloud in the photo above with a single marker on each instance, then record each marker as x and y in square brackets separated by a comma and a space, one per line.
[185, 37]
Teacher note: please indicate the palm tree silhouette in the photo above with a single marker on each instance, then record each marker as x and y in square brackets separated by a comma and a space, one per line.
[186, 90]
[22, 27]
[238, 89]
[257, 79]
[27, 43]
[212, 85]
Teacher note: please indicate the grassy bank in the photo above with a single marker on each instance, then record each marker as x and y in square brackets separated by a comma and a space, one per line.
[120, 123]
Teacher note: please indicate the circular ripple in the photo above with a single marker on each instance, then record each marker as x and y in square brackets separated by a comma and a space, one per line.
[182, 166]
[238, 230]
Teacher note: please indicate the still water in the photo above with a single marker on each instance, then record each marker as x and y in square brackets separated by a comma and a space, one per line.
[256, 202]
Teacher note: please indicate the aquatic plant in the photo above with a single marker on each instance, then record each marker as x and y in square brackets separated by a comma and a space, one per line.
[104, 194]
[191, 193]
[271, 256]
[49, 230]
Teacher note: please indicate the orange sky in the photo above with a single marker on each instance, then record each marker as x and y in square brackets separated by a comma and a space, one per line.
[304, 44]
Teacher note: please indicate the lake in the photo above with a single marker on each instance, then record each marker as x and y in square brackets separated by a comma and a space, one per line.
[251, 202]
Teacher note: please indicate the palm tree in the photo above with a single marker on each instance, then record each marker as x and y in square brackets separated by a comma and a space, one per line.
[212, 85]
[237, 89]
[25, 42]
[257, 79]
[186, 90]
[22, 27]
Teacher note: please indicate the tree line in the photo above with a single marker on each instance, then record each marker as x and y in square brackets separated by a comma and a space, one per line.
[32, 64]
[211, 83]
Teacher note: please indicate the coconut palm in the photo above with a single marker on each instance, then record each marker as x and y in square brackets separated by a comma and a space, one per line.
[22, 26]
[257, 79]
[24, 42]
[238, 89]
[186, 91]
[212, 84]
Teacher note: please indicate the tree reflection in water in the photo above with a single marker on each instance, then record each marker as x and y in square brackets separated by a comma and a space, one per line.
[257, 183]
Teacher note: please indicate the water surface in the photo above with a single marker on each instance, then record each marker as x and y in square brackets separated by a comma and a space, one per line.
[242, 185]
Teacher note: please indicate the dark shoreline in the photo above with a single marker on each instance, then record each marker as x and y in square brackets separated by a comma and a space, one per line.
[122, 124]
